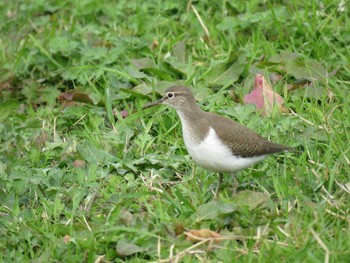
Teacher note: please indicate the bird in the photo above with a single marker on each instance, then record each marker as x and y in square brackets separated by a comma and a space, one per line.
[214, 142]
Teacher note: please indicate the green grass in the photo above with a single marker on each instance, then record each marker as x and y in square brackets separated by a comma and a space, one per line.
[137, 190]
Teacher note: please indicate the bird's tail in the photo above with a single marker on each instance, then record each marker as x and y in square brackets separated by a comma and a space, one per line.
[277, 148]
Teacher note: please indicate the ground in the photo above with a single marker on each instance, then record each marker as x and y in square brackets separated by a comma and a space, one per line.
[86, 175]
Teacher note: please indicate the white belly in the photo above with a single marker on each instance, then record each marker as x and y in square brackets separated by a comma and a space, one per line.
[213, 155]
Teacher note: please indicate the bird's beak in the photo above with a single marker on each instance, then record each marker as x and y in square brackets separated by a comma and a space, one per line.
[153, 104]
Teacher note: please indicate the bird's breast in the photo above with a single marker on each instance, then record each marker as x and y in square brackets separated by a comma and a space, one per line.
[212, 154]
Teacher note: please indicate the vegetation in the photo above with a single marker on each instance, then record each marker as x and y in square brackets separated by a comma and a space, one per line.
[86, 175]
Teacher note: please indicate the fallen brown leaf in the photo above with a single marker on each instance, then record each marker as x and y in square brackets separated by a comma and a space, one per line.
[195, 236]
[154, 44]
[73, 95]
[179, 229]
[66, 239]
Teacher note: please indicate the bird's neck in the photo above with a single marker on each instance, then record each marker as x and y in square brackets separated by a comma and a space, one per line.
[189, 112]
[193, 126]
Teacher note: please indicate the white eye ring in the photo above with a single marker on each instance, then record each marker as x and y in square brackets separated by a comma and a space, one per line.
[170, 95]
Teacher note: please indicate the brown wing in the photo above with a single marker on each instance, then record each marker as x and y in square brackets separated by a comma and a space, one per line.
[241, 140]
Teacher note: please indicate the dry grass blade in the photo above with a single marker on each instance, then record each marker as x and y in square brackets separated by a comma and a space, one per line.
[206, 31]
[322, 245]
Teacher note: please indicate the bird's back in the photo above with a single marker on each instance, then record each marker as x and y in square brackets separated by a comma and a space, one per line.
[241, 140]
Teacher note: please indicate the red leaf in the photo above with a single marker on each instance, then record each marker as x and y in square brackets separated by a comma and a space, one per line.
[79, 163]
[263, 96]
[124, 113]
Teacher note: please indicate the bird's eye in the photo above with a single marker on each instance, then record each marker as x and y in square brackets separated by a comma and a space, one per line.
[170, 95]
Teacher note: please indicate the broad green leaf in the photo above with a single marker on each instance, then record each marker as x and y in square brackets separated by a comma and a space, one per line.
[315, 92]
[164, 71]
[92, 54]
[135, 73]
[92, 154]
[143, 89]
[214, 209]
[299, 68]
[207, 211]
[159, 73]
[179, 51]
[123, 133]
[172, 70]
[7, 109]
[143, 63]
[64, 45]
[179, 67]
[78, 96]
[163, 85]
[225, 74]
[283, 57]
[250, 199]
[310, 70]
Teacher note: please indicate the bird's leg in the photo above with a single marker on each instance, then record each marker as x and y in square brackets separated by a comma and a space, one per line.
[235, 184]
[221, 176]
